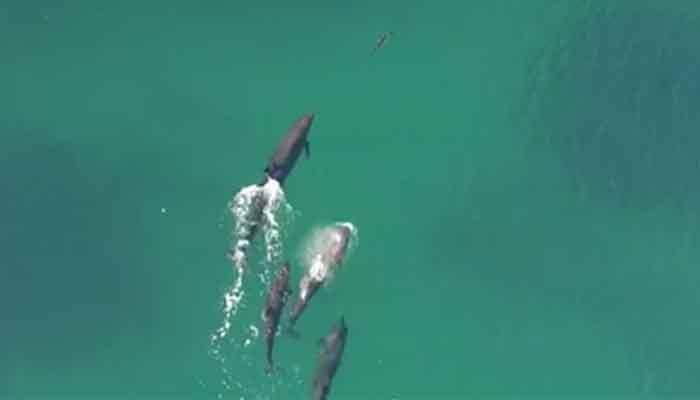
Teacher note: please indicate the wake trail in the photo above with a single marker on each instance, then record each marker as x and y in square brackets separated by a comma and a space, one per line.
[255, 209]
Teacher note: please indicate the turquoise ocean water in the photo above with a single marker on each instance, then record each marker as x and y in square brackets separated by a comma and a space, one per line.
[523, 176]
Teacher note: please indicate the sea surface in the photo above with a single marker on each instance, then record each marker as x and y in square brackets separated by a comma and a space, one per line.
[523, 176]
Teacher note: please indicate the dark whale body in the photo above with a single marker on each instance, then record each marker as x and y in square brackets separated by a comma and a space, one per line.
[332, 347]
[276, 299]
[288, 151]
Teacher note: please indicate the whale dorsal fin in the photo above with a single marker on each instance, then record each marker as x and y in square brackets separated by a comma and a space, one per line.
[307, 149]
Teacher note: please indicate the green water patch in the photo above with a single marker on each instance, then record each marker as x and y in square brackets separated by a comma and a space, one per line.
[614, 94]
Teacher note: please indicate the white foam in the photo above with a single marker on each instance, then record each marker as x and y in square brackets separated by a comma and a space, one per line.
[254, 207]
[274, 212]
[263, 207]
[314, 255]
[232, 298]
[318, 270]
[245, 209]
[354, 240]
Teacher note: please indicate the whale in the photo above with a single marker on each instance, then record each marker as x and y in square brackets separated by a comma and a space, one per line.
[294, 142]
[330, 355]
[276, 299]
[328, 259]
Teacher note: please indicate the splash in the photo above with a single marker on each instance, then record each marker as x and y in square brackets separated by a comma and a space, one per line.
[259, 207]
[321, 254]
[237, 377]
[274, 213]
[232, 299]
[232, 379]
[255, 209]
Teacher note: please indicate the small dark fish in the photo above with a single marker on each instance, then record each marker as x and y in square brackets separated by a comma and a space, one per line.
[381, 41]
[276, 299]
[332, 347]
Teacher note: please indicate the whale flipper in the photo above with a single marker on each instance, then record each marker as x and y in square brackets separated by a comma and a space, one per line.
[307, 149]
